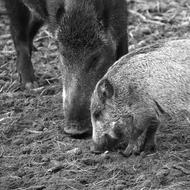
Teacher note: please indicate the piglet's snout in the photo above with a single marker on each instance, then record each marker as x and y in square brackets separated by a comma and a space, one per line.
[105, 143]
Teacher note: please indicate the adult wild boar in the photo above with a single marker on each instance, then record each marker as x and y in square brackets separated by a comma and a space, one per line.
[90, 34]
[142, 90]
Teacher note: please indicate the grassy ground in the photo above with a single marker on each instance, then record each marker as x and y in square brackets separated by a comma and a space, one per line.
[36, 155]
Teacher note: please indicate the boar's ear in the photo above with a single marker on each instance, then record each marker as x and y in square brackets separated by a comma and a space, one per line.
[37, 6]
[105, 90]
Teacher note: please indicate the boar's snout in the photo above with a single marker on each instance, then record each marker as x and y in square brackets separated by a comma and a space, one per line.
[77, 127]
[77, 117]
[76, 107]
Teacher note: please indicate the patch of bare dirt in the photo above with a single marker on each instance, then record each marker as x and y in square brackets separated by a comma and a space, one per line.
[36, 155]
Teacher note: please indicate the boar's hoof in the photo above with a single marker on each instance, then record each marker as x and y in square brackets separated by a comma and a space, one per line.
[77, 130]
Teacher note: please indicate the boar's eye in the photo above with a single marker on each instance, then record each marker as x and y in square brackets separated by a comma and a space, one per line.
[59, 13]
[92, 62]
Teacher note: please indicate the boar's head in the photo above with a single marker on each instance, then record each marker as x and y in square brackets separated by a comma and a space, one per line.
[87, 48]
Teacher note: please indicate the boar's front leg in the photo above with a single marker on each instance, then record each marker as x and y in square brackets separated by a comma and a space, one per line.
[141, 136]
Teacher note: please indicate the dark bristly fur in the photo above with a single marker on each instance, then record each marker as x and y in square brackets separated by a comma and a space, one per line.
[79, 29]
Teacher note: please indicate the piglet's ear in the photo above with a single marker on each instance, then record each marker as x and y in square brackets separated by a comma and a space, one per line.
[105, 90]
[37, 6]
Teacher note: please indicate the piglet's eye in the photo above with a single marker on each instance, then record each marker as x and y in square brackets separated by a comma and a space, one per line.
[97, 115]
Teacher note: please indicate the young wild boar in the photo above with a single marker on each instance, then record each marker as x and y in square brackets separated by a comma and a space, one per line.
[137, 93]
[91, 35]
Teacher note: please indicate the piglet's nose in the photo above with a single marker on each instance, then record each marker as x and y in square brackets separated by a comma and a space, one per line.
[95, 148]
[105, 143]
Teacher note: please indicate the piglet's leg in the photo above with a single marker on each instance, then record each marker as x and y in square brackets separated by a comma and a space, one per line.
[149, 145]
[142, 130]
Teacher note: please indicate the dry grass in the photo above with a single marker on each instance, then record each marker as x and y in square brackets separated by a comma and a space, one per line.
[36, 155]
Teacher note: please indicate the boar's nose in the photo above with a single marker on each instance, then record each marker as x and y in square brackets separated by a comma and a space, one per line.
[105, 143]
[78, 128]
[77, 120]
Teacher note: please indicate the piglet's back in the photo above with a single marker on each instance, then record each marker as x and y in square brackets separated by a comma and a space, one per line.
[160, 72]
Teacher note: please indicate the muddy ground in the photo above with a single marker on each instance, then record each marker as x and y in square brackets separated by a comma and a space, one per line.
[34, 152]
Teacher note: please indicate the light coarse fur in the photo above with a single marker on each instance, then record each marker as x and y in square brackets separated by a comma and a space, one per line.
[148, 84]
[162, 75]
